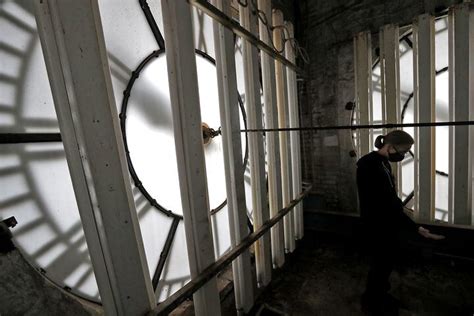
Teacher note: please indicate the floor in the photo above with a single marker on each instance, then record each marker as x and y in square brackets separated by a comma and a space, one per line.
[326, 276]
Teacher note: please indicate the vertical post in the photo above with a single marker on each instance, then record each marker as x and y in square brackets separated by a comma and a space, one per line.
[294, 135]
[278, 40]
[272, 139]
[182, 76]
[424, 102]
[390, 74]
[80, 81]
[234, 168]
[253, 106]
[461, 105]
[363, 86]
[289, 166]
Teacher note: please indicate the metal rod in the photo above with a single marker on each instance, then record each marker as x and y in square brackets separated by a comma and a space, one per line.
[20, 138]
[180, 296]
[408, 198]
[17, 138]
[165, 252]
[222, 18]
[152, 23]
[355, 127]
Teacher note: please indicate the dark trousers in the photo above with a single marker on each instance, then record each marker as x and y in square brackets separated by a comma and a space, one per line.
[383, 256]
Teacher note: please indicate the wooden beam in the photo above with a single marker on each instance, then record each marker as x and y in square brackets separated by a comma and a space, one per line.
[282, 106]
[424, 105]
[166, 307]
[390, 78]
[253, 107]
[76, 60]
[232, 148]
[183, 85]
[294, 135]
[271, 139]
[461, 105]
[363, 88]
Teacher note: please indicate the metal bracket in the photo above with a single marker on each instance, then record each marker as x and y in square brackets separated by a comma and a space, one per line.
[6, 244]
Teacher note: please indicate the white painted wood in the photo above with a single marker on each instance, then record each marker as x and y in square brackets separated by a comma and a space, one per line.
[363, 88]
[450, 107]
[390, 78]
[76, 59]
[232, 149]
[282, 106]
[390, 72]
[182, 76]
[292, 234]
[253, 106]
[424, 105]
[271, 139]
[461, 104]
[294, 135]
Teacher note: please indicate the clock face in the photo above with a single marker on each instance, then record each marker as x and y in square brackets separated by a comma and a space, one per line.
[149, 118]
[407, 108]
[35, 181]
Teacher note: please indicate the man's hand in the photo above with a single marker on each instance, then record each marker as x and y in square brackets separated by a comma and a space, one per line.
[426, 233]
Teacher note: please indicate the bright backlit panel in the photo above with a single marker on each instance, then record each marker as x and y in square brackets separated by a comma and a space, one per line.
[35, 181]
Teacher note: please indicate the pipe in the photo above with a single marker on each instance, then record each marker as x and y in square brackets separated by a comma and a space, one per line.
[211, 271]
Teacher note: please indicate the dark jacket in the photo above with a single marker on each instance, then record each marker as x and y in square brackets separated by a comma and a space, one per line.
[380, 208]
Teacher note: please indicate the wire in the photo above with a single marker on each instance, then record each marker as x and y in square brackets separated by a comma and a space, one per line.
[299, 50]
[354, 127]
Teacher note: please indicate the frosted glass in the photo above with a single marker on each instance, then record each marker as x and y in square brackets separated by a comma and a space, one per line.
[35, 181]
[176, 271]
[151, 140]
[441, 107]
[26, 95]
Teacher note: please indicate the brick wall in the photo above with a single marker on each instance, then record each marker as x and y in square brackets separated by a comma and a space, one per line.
[325, 29]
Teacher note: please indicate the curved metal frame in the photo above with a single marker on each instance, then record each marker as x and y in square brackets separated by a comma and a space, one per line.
[123, 118]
